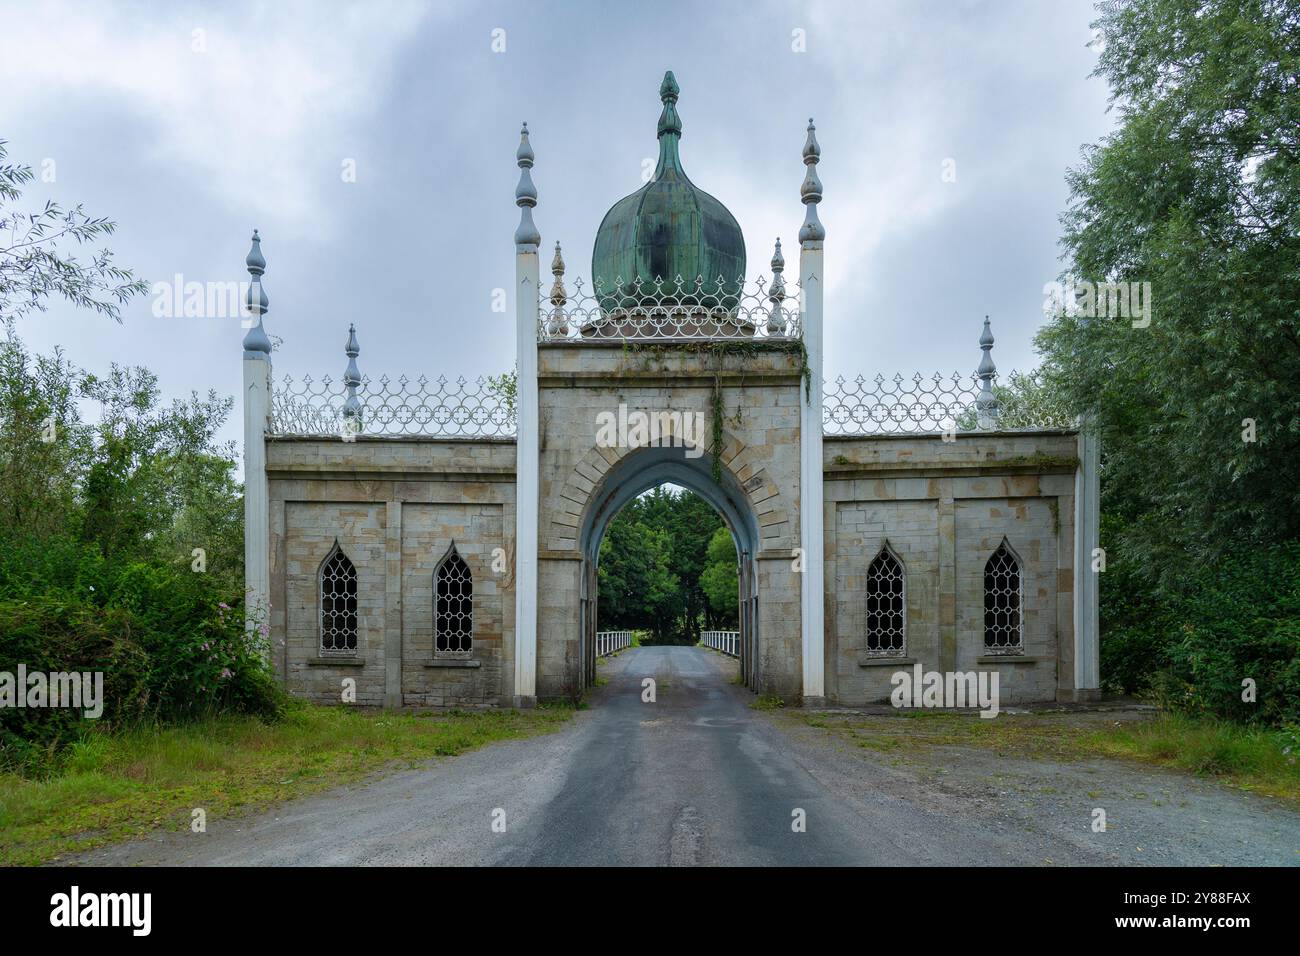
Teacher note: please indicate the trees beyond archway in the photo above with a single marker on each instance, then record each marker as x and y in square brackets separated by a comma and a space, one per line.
[657, 567]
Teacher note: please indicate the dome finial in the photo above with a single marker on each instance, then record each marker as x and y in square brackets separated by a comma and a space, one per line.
[668, 230]
[669, 89]
[669, 121]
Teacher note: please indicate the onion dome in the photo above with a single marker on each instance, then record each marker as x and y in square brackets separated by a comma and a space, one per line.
[668, 230]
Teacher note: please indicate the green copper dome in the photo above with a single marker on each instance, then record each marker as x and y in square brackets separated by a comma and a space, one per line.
[668, 228]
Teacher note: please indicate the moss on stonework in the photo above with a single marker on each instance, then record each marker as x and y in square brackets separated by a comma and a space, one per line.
[1039, 461]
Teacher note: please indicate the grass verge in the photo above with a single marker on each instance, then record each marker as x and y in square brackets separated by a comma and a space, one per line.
[116, 786]
[1263, 761]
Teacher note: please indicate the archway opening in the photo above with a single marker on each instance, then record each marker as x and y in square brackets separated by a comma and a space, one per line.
[659, 520]
[668, 571]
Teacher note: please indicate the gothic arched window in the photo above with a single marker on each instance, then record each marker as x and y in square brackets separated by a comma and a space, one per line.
[453, 587]
[1002, 602]
[886, 605]
[338, 605]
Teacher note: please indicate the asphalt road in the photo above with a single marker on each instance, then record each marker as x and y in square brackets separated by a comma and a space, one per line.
[697, 778]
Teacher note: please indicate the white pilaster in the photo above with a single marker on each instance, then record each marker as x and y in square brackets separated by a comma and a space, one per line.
[810, 479]
[1087, 537]
[527, 451]
[257, 531]
[527, 465]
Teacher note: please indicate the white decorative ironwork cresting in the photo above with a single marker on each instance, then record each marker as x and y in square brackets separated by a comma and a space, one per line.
[641, 310]
[440, 408]
[934, 403]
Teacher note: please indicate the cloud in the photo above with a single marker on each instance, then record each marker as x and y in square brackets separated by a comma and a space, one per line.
[259, 104]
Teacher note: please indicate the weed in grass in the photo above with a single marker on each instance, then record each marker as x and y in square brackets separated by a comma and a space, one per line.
[1248, 758]
[117, 785]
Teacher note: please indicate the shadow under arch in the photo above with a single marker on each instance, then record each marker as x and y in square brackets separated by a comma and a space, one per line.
[646, 468]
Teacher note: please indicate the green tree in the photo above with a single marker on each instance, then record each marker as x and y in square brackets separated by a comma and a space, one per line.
[636, 586]
[32, 267]
[100, 515]
[720, 579]
[506, 387]
[652, 560]
[690, 521]
[1198, 193]
[43, 448]
[99, 519]
[145, 480]
[158, 475]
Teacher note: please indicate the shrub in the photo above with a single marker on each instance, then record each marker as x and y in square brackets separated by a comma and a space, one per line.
[1240, 619]
[172, 646]
[1231, 619]
[1135, 626]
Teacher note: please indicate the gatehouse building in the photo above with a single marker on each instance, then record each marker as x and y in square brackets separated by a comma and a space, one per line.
[436, 540]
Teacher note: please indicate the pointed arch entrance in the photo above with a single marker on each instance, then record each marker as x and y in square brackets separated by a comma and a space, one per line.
[637, 472]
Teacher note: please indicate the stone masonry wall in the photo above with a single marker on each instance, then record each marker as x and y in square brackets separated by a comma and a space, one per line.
[944, 507]
[761, 392]
[394, 506]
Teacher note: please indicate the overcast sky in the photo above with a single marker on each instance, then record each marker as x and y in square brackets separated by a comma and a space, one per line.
[190, 139]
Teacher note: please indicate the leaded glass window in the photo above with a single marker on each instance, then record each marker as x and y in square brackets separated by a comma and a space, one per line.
[1002, 602]
[886, 605]
[338, 605]
[454, 613]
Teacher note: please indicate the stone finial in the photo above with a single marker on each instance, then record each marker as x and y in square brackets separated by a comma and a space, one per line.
[256, 301]
[558, 295]
[527, 238]
[986, 403]
[776, 317]
[351, 379]
[558, 323]
[811, 191]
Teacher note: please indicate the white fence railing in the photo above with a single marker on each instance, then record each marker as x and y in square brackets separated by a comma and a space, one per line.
[607, 642]
[728, 642]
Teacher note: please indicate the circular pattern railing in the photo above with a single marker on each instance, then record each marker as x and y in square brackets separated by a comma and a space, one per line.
[438, 408]
[676, 309]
